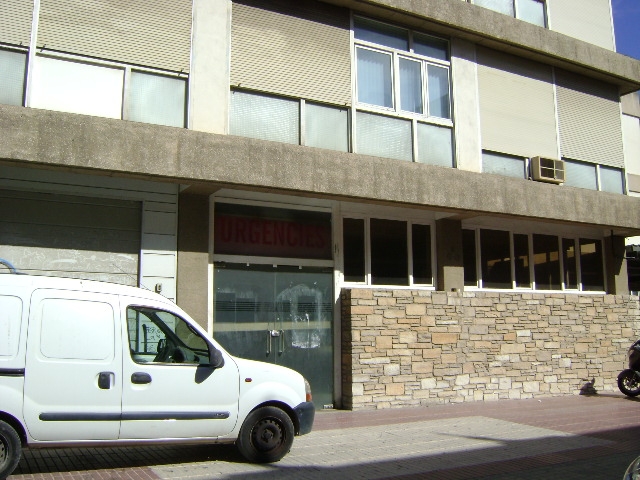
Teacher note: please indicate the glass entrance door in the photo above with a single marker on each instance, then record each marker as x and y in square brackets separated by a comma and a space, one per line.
[279, 314]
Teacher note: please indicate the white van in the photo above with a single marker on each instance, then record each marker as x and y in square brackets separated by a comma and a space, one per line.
[84, 362]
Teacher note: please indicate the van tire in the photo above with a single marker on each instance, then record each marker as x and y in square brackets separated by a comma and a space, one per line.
[10, 449]
[266, 435]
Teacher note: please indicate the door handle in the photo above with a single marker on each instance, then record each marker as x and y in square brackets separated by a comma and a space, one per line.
[140, 378]
[268, 342]
[104, 380]
[281, 335]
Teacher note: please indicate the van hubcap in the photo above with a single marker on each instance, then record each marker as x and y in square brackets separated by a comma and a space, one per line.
[267, 435]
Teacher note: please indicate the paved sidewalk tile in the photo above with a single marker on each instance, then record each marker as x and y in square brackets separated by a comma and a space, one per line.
[564, 437]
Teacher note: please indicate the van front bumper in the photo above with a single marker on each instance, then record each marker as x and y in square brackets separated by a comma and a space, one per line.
[306, 412]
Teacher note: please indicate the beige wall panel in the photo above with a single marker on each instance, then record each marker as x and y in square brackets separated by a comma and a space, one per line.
[153, 33]
[631, 135]
[517, 112]
[598, 140]
[15, 23]
[587, 20]
[300, 49]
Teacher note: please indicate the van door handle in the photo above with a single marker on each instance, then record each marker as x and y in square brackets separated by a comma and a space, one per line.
[104, 380]
[140, 378]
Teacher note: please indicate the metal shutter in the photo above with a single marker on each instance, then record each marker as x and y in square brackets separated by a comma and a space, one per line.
[517, 111]
[153, 33]
[15, 27]
[589, 119]
[71, 236]
[586, 20]
[299, 49]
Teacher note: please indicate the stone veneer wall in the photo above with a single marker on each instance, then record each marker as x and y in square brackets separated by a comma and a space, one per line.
[411, 348]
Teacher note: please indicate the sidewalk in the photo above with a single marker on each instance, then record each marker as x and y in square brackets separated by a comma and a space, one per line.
[571, 438]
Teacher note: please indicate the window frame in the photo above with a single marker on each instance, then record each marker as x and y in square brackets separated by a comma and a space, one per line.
[516, 8]
[577, 239]
[368, 274]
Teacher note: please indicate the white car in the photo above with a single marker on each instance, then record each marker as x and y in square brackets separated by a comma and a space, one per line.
[92, 363]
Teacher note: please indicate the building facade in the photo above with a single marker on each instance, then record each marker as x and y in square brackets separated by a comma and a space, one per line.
[409, 202]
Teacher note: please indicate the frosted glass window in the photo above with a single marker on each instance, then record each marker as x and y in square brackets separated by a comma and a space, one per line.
[502, 6]
[374, 78]
[581, 175]
[74, 87]
[327, 127]
[503, 165]
[157, 99]
[384, 136]
[611, 179]
[438, 91]
[380, 33]
[531, 11]
[431, 47]
[435, 145]
[12, 75]
[264, 117]
[410, 86]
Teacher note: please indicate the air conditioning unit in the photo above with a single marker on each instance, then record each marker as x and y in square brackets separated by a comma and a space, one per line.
[547, 170]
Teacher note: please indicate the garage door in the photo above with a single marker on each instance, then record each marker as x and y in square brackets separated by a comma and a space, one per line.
[71, 236]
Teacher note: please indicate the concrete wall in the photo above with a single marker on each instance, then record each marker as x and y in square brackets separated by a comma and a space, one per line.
[98, 145]
[415, 348]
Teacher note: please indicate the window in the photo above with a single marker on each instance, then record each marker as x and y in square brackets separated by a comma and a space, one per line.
[593, 176]
[503, 164]
[495, 257]
[278, 119]
[387, 252]
[401, 70]
[531, 11]
[404, 73]
[509, 260]
[13, 65]
[157, 336]
[108, 90]
[611, 179]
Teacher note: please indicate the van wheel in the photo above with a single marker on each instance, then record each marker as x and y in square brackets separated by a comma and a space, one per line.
[266, 435]
[10, 449]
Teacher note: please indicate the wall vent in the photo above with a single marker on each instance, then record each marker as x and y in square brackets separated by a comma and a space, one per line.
[547, 170]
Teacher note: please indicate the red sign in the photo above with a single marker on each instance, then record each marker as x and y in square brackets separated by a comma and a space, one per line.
[266, 237]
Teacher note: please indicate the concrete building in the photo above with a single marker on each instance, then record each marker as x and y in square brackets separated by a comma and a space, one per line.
[410, 202]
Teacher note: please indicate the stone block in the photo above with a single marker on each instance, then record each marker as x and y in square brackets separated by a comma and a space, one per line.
[444, 338]
[395, 389]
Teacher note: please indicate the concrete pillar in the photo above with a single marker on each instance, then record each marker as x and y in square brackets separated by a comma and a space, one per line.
[616, 266]
[466, 105]
[449, 255]
[210, 66]
[193, 256]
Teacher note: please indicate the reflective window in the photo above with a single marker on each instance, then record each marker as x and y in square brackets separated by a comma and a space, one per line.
[264, 117]
[581, 175]
[13, 65]
[383, 136]
[501, 6]
[157, 99]
[531, 11]
[495, 257]
[611, 179]
[503, 164]
[469, 258]
[354, 249]
[326, 127]
[421, 253]
[569, 263]
[546, 262]
[389, 252]
[380, 33]
[521, 260]
[591, 265]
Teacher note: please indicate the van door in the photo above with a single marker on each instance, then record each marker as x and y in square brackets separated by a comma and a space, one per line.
[169, 390]
[73, 381]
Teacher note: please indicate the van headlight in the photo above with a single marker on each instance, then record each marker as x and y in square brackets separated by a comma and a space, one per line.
[307, 390]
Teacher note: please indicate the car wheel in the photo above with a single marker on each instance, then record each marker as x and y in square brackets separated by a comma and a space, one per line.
[629, 383]
[10, 449]
[266, 435]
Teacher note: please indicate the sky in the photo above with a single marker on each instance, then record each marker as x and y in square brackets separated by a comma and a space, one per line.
[626, 24]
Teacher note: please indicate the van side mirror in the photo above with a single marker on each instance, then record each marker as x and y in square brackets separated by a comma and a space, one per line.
[216, 360]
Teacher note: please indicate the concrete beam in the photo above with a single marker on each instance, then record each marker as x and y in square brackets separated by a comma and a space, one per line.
[40, 138]
[502, 32]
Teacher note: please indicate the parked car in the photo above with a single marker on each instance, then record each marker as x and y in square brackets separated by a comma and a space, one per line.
[92, 363]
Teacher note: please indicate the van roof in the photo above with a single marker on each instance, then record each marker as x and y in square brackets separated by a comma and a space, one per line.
[64, 283]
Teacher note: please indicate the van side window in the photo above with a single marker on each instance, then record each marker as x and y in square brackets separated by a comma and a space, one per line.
[158, 336]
